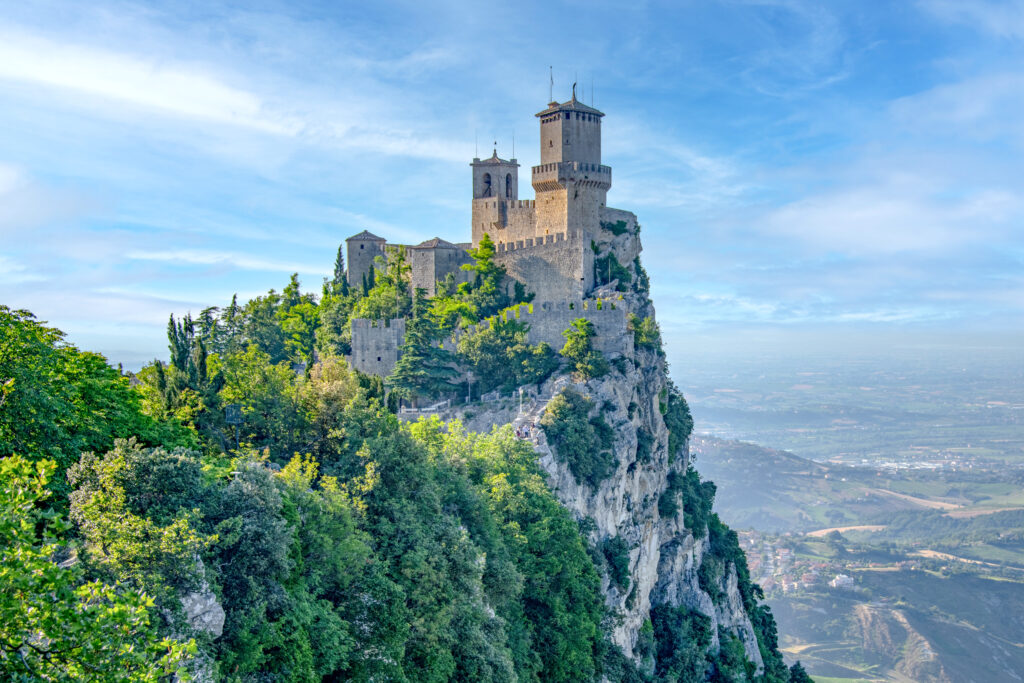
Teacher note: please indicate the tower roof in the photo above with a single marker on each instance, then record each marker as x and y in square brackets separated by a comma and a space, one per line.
[571, 105]
[494, 159]
[365, 236]
[436, 243]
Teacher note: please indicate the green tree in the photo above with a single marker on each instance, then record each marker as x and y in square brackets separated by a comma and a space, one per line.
[339, 281]
[53, 625]
[267, 393]
[501, 357]
[579, 350]
[57, 401]
[484, 295]
[423, 368]
[797, 674]
[123, 545]
[387, 292]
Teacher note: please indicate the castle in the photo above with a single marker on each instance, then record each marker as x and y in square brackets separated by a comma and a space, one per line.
[546, 243]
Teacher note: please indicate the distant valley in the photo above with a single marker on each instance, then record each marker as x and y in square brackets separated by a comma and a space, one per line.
[934, 562]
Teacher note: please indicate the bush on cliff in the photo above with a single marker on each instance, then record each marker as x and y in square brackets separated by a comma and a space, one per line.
[586, 361]
[582, 442]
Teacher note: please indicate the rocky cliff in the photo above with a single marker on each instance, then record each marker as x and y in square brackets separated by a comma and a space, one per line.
[665, 556]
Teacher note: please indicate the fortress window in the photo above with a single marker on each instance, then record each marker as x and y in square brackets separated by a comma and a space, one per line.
[508, 186]
[487, 185]
[378, 359]
[362, 246]
[566, 116]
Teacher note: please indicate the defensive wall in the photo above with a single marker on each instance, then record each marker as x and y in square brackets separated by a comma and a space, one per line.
[547, 321]
[554, 267]
[375, 345]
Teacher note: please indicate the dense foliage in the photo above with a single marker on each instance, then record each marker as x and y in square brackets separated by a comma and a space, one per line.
[57, 401]
[583, 442]
[586, 361]
[54, 624]
[341, 543]
[501, 358]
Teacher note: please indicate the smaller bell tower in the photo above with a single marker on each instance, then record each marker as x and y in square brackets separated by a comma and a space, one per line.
[495, 178]
[495, 185]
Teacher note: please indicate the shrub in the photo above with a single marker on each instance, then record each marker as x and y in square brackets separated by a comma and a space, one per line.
[681, 637]
[588, 363]
[608, 269]
[616, 552]
[644, 442]
[617, 228]
[646, 334]
[678, 420]
[582, 442]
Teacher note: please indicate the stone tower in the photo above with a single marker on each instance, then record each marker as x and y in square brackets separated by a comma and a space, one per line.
[361, 250]
[570, 182]
[495, 178]
[495, 187]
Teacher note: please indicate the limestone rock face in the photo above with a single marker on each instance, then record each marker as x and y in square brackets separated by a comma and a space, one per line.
[665, 556]
[203, 611]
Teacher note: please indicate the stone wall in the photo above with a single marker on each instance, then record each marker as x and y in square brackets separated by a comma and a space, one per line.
[547, 321]
[376, 344]
[554, 268]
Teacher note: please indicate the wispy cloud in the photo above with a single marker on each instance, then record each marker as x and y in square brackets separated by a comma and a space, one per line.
[226, 259]
[174, 89]
[897, 217]
[1001, 18]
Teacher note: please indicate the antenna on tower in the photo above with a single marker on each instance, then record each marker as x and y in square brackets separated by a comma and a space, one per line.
[551, 87]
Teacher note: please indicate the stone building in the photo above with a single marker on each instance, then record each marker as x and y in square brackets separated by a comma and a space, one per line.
[361, 250]
[431, 261]
[375, 345]
[544, 243]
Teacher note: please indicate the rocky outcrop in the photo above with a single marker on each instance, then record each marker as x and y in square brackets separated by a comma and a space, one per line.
[664, 556]
[203, 611]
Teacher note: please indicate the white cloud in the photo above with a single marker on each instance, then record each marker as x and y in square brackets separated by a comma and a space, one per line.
[12, 272]
[224, 258]
[892, 218]
[1004, 19]
[26, 204]
[143, 81]
[985, 107]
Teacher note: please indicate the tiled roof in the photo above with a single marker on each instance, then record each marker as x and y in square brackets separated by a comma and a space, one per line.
[571, 105]
[435, 243]
[365, 236]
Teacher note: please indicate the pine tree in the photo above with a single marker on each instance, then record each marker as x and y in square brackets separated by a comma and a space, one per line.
[423, 368]
[797, 674]
[339, 269]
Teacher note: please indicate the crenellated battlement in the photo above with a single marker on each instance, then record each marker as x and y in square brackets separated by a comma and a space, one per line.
[529, 242]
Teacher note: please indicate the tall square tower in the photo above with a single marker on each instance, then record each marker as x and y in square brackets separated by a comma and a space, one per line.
[570, 182]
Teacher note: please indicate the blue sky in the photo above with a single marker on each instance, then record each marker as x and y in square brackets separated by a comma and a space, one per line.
[803, 171]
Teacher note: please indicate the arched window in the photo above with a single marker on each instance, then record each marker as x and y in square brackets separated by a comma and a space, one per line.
[508, 186]
[487, 186]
